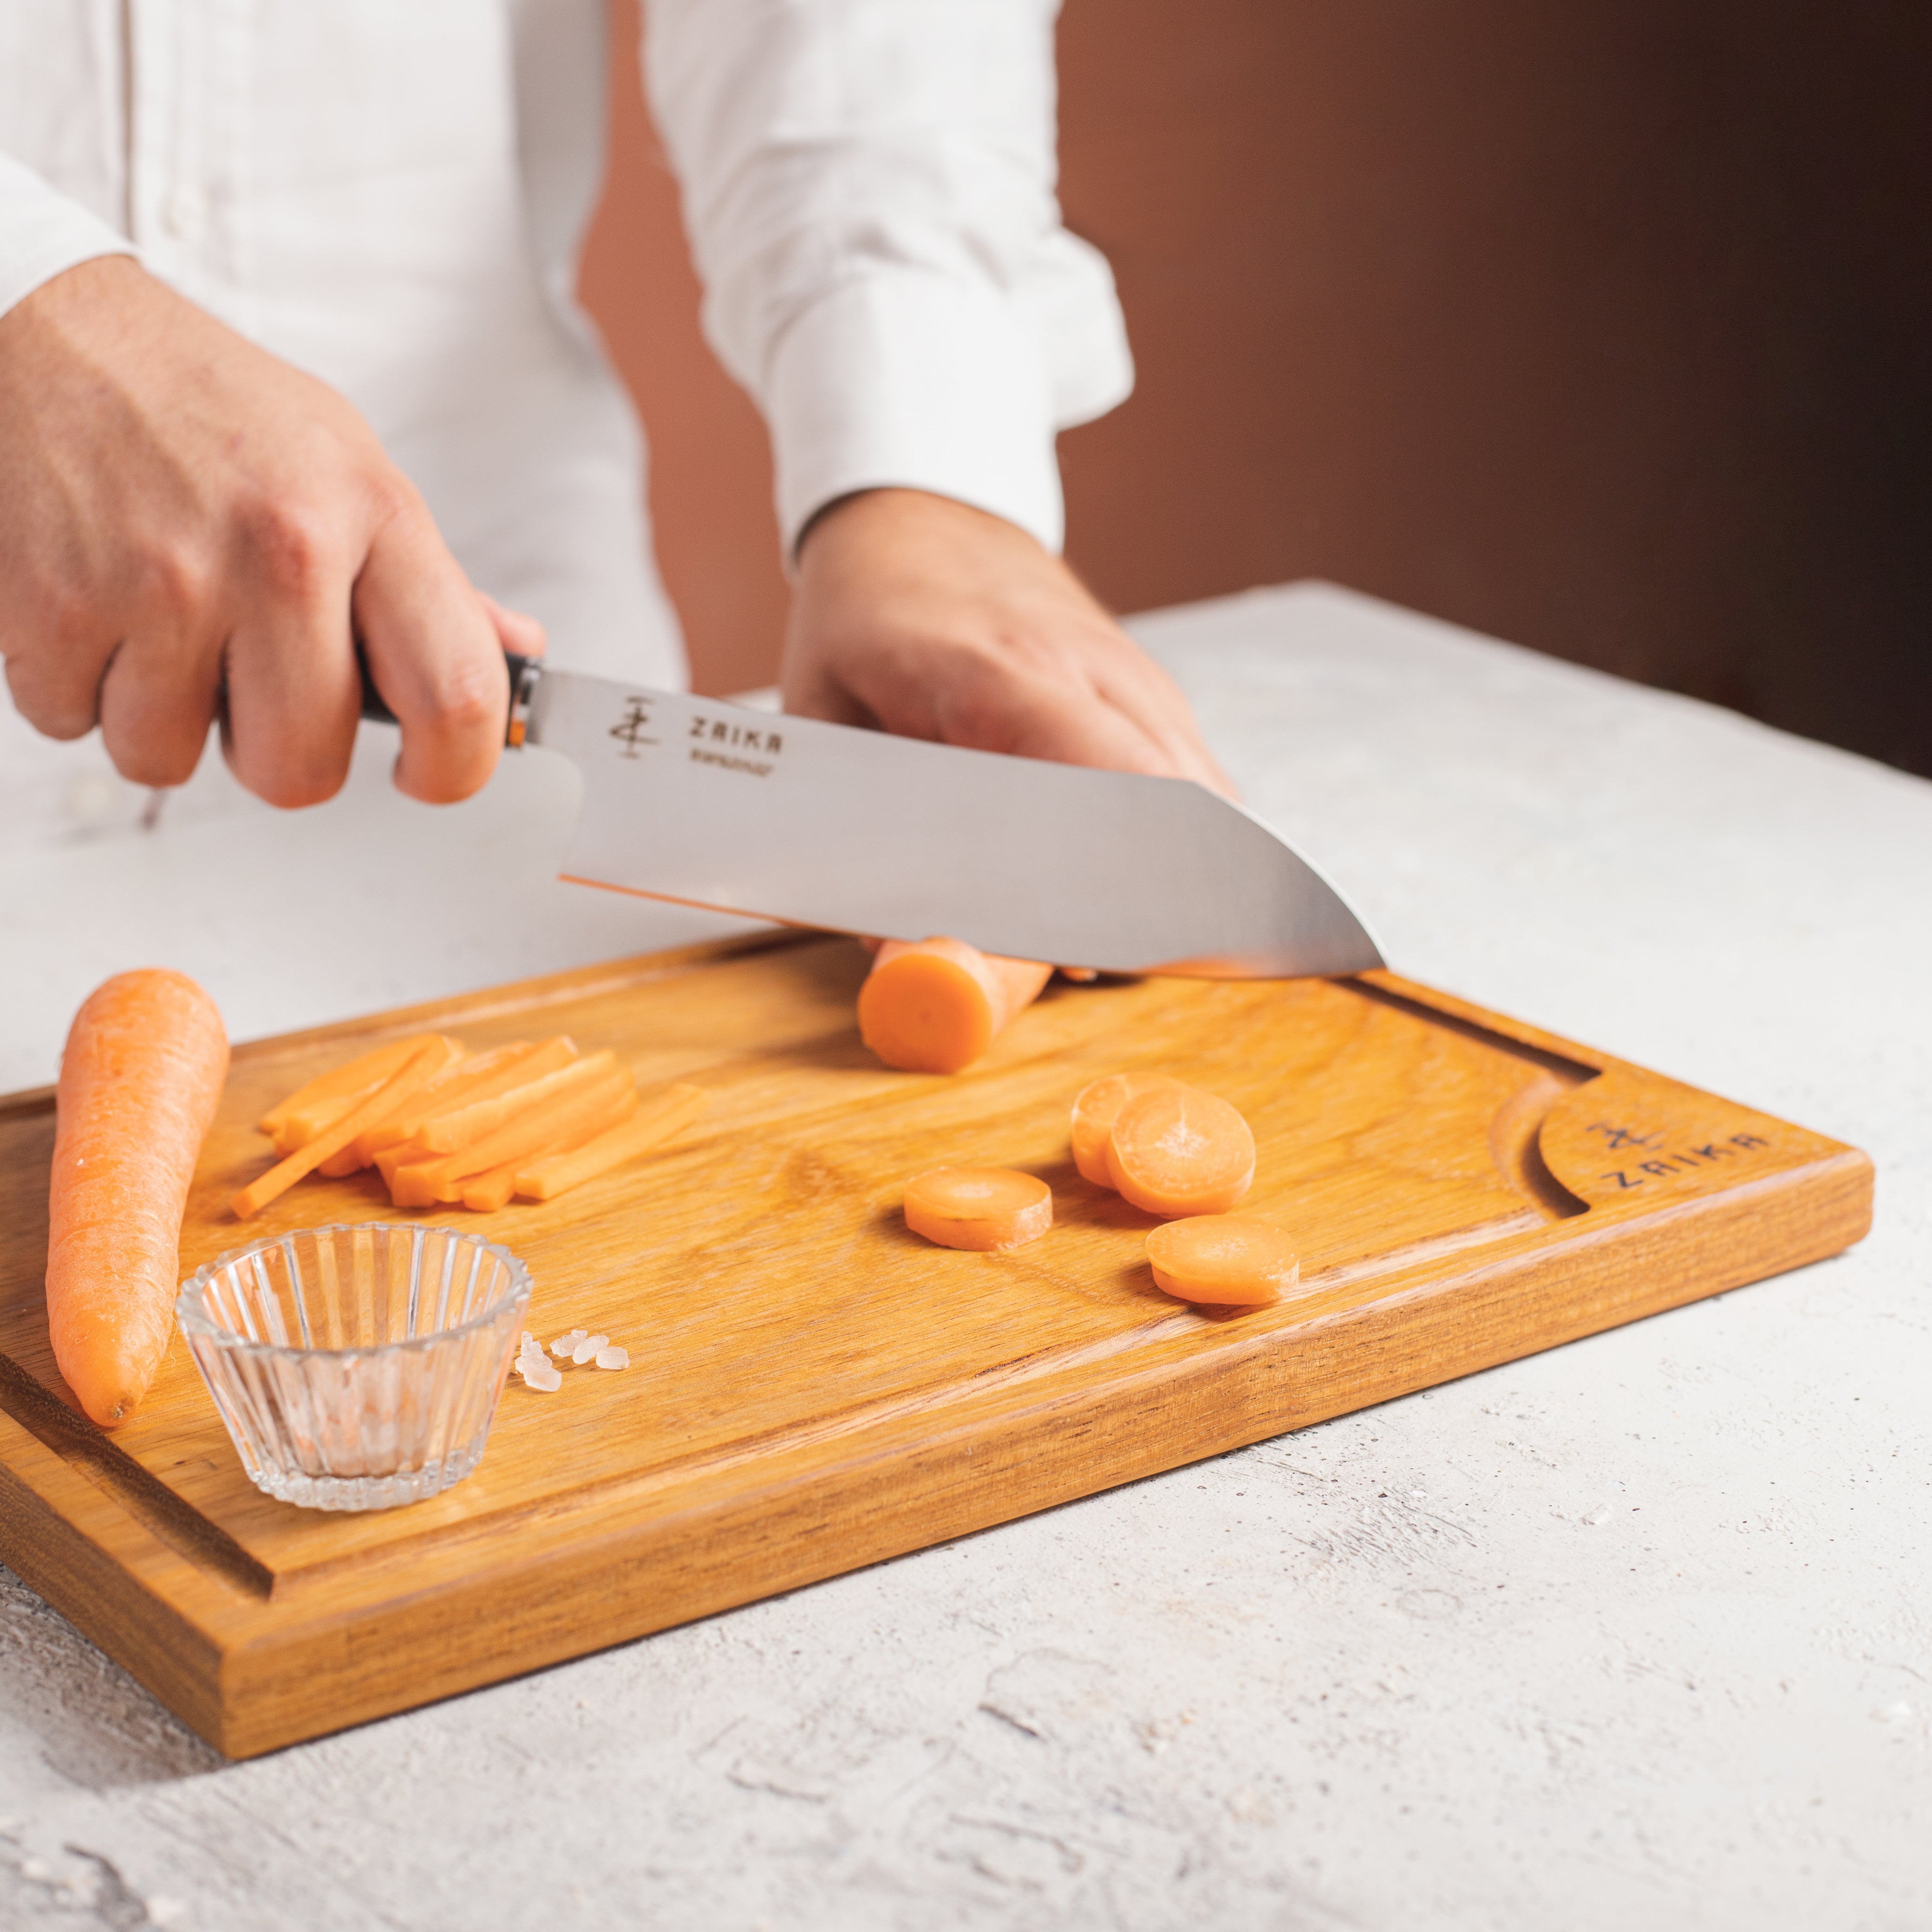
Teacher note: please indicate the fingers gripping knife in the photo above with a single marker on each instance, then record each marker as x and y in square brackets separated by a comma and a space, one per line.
[784, 818]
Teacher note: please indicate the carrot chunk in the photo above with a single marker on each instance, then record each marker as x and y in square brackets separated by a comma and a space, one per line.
[936, 1007]
[139, 1084]
[447, 1132]
[1095, 1107]
[1226, 1260]
[414, 1072]
[362, 1074]
[1176, 1150]
[653, 1123]
[979, 1208]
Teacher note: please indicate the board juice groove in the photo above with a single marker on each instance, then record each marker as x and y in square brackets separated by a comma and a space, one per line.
[813, 1389]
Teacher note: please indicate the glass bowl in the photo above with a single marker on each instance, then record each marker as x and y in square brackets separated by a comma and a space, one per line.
[357, 1367]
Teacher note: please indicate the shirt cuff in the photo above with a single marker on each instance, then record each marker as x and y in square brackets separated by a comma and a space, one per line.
[907, 380]
[43, 233]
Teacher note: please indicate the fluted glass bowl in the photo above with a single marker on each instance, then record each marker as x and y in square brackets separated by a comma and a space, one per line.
[357, 1367]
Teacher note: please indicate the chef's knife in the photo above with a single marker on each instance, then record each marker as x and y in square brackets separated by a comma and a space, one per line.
[777, 818]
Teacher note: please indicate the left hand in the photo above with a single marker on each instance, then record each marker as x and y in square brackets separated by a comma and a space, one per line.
[922, 617]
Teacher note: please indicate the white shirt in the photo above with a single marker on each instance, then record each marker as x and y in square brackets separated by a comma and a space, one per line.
[391, 194]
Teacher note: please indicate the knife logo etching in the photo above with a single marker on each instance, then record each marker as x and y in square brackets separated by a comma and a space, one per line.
[631, 731]
[722, 741]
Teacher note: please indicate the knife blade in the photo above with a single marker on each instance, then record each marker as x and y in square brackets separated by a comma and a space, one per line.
[712, 804]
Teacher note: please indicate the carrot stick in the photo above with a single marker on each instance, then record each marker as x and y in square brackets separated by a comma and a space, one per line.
[294, 1130]
[1176, 1150]
[654, 1123]
[413, 1073]
[1226, 1261]
[346, 1159]
[362, 1074]
[493, 1188]
[935, 1007]
[475, 1079]
[417, 1185]
[1095, 1107]
[447, 1132]
[139, 1084]
[979, 1208]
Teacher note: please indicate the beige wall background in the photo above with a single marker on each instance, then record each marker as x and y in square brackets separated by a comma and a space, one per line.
[1601, 327]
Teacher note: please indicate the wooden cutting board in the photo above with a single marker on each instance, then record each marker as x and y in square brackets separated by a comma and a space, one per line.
[812, 1388]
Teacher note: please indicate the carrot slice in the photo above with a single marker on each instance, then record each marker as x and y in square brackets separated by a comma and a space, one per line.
[448, 1132]
[1095, 1107]
[1226, 1261]
[654, 1123]
[935, 1007]
[419, 1184]
[476, 1079]
[1178, 1150]
[140, 1080]
[362, 1074]
[347, 1159]
[414, 1072]
[979, 1208]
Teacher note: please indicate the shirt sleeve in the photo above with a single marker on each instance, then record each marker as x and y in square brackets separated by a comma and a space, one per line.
[42, 232]
[869, 190]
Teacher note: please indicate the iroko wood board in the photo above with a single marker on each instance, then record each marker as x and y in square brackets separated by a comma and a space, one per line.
[812, 1388]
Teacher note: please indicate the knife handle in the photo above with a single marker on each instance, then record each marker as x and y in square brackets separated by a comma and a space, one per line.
[524, 673]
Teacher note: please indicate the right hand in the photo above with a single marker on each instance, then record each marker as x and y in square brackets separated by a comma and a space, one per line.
[190, 529]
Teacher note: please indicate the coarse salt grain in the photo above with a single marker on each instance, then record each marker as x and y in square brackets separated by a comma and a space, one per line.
[587, 1347]
[543, 1376]
[614, 1357]
[566, 1345]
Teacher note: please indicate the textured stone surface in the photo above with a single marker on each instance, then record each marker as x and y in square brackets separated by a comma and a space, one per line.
[1637, 1632]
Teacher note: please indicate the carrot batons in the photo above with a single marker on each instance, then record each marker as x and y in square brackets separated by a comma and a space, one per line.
[350, 1081]
[414, 1072]
[476, 1079]
[1095, 1109]
[654, 1122]
[936, 1007]
[1224, 1261]
[600, 1096]
[143, 1071]
[530, 1116]
[1176, 1150]
[979, 1208]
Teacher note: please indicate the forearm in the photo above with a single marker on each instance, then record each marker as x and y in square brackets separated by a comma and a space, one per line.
[868, 186]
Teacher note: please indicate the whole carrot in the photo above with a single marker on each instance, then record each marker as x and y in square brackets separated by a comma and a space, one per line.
[144, 1061]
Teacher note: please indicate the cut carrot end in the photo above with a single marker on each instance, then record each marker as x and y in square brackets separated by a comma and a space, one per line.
[1176, 1150]
[980, 1209]
[936, 1007]
[1223, 1261]
[1095, 1108]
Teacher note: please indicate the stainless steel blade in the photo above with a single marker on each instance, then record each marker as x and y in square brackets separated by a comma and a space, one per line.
[786, 818]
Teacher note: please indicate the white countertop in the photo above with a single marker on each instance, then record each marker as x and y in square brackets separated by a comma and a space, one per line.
[1639, 1631]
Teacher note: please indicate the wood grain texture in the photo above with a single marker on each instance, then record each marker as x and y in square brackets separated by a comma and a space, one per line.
[812, 1388]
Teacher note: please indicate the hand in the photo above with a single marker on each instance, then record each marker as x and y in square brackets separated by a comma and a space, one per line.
[920, 616]
[189, 529]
